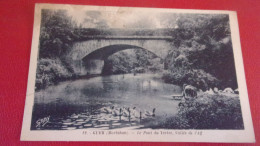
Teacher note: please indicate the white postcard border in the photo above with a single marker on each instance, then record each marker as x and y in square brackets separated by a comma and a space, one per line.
[236, 136]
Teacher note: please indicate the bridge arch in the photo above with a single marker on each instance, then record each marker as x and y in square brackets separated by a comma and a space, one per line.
[98, 48]
[93, 62]
[104, 52]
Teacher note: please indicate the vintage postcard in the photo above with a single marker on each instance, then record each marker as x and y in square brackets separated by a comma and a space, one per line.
[136, 74]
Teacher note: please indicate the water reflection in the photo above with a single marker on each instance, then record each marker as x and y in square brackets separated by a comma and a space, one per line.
[108, 102]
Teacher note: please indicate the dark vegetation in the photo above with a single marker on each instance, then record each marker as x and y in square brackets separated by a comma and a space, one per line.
[203, 57]
[132, 61]
[206, 112]
[202, 54]
[56, 37]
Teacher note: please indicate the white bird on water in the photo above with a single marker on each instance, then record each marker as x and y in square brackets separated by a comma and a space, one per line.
[116, 112]
[125, 112]
[150, 113]
[134, 113]
[107, 110]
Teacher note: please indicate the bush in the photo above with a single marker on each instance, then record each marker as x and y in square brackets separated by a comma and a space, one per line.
[172, 77]
[51, 71]
[207, 112]
[195, 77]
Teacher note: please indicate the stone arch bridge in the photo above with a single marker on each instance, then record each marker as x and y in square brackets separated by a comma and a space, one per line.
[88, 54]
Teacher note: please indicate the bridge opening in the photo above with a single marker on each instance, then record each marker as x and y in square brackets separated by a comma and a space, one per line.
[120, 59]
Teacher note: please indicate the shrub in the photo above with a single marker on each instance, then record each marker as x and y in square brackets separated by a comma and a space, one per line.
[207, 112]
[195, 77]
[51, 71]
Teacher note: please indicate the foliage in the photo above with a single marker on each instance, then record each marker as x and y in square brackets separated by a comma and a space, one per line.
[202, 51]
[56, 37]
[195, 77]
[121, 62]
[207, 112]
[128, 61]
[51, 71]
[218, 62]
[57, 33]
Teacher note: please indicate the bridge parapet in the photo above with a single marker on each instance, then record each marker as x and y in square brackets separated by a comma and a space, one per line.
[137, 37]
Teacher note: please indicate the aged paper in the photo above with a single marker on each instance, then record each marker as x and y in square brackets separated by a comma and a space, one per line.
[136, 74]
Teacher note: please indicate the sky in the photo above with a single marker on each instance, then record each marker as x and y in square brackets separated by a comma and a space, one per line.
[124, 19]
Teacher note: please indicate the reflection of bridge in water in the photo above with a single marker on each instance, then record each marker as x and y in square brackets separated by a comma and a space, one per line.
[89, 53]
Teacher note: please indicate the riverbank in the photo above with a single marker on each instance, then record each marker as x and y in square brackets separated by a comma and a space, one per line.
[218, 111]
[43, 81]
[54, 71]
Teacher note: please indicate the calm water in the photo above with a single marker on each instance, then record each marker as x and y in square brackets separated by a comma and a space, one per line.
[109, 102]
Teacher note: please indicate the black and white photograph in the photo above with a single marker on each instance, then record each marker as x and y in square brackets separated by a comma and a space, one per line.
[126, 70]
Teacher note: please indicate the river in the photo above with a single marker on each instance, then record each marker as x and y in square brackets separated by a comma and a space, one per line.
[105, 102]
